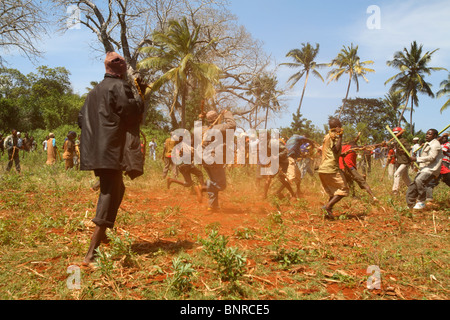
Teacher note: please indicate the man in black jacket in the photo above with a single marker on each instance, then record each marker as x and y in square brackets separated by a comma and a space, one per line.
[109, 122]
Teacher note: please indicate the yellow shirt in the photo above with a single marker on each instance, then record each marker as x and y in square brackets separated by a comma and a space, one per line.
[330, 160]
[168, 147]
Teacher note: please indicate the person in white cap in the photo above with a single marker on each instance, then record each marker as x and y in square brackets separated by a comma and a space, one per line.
[415, 147]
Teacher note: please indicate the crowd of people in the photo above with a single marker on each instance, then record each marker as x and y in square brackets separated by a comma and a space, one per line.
[15, 145]
[110, 146]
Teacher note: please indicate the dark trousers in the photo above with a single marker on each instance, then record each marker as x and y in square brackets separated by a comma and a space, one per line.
[112, 190]
[352, 175]
[217, 182]
[417, 190]
[187, 170]
[14, 158]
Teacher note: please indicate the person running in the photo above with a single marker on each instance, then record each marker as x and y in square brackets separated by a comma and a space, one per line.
[169, 144]
[331, 177]
[213, 164]
[187, 169]
[347, 163]
[430, 166]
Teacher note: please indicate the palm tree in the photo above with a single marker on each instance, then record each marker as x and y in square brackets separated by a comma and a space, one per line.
[304, 60]
[179, 54]
[410, 81]
[264, 92]
[394, 101]
[348, 62]
[445, 89]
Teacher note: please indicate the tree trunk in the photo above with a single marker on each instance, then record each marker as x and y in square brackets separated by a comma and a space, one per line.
[346, 96]
[256, 116]
[303, 92]
[183, 108]
[267, 115]
[403, 112]
[410, 118]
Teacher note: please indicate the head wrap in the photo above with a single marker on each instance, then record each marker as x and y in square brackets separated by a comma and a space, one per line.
[115, 64]
[211, 116]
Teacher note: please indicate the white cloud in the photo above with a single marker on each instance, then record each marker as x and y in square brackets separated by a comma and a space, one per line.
[404, 22]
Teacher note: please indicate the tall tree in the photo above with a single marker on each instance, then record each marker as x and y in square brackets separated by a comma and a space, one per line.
[395, 102]
[374, 113]
[265, 96]
[23, 23]
[302, 126]
[179, 53]
[410, 81]
[445, 90]
[304, 61]
[348, 62]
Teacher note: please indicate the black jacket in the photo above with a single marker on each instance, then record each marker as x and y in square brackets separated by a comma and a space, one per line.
[109, 122]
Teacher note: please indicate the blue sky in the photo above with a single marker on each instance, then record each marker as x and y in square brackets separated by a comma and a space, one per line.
[284, 25]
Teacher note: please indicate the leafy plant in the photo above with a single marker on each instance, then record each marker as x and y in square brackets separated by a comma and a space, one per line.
[182, 277]
[230, 261]
[122, 247]
[289, 257]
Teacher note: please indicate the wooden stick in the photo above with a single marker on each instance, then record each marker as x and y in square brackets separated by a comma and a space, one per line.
[401, 145]
[438, 135]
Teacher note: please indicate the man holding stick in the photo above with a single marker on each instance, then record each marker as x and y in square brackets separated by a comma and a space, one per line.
[11, 145]
[109, 122]
[430, 166]
[402, 161]
[347, 163]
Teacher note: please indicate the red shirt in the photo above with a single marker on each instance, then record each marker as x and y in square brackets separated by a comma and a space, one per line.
[350, 158]
[446, 151]
[391, 154]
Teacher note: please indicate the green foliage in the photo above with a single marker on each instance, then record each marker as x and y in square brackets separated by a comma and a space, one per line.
[231, 262]
[181, 279]
[104, 262]
[410, 81]
[368, 116]
[180, 56]
[289, 257]
[41, 100]
[122, 248]
[303, 127]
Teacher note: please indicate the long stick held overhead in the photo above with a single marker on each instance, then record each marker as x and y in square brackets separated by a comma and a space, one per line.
[401, 145]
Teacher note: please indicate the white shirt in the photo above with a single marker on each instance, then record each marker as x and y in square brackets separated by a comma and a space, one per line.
[431, 157]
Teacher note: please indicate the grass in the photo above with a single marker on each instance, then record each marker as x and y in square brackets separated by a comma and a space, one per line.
[165, 247]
